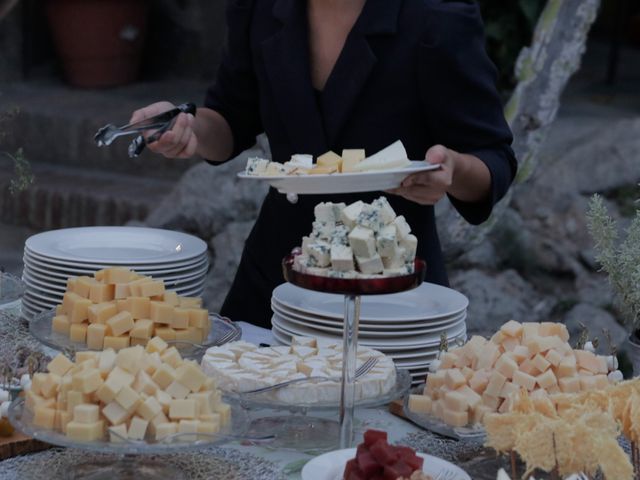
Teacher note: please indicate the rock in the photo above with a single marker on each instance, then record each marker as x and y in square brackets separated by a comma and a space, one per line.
[594, 289]
[588, 258]
[494, 300]
[207, 198]
[595, 319]
[483, 256]
[227, 248]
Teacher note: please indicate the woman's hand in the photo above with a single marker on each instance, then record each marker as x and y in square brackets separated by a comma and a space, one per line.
[460, 175]
[426, 188]
[180, 141]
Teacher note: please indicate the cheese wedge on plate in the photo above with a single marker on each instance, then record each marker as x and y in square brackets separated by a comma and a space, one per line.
[393, 156]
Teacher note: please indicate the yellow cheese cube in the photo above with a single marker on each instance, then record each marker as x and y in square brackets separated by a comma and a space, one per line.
[96, 332]
[329, 159]
[479, 381]
[117, 275]
[157, 420]
[419, 404]
[161, 312]
[62, 418]
[32, 399]
[454, 379]
[183, 409]
[139, 307]
[149, 409]
[79, 310]
[164, 376]
[190, 302]
[134, 286]
[128, 399]
[547, 379]
[180, 318]
[71, 284]
[455, 418]
[87, 381]
[100, 292]
[205, 400]
[129, 359]
[108, 391]
[50, 384]
[118, 433]
[121, 291]
[61, 324]
[191, 335]
[59, 365]
[115, 413]
[117, 343]
[134, 342]
[107, 360]
[350, 158]
[224, 411]
[137, 428]
[164, 430]
[86, 413]
[156, 344]
[151, 289]
[177, 390]
[171, 298]
[208, 428]
[506, 366]
[191, 376]
[456, 401]
[85, 432]
[524, 380]
[142, 329]
[68, 300]
[44, 417]
[83, 285]
[101, 312]
[172, 357]
[75, 398]
[120, 323]
[85, 356]
[165, 333]
[188, 427]
[198, 317]
[78, 332]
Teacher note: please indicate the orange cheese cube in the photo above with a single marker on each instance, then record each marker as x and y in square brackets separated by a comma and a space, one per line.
[165, 333]
[83, 285]
[95, 335]
[79, 310]
[479, 381]
[120, 323]
[117, 343]
[496, 382]
[117, 275]
[180, 318]
[152, 288]
[506, 366]
[553, 357]
[100, 292]
[569, 384]
[161, 312]
[101, 312]
[78, 332]
[453, 379]
[547, 380]
[455, 418]
[540, 363]
[512, 328]
[143, 329]
[524, 380]
[198, 317]
[61, 324]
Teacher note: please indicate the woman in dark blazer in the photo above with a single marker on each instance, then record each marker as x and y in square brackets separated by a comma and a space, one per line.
[319, 75]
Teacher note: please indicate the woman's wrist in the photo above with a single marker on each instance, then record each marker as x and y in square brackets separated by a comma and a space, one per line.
[471, 179]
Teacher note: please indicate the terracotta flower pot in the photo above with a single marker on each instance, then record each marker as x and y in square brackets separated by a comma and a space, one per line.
[99, 41]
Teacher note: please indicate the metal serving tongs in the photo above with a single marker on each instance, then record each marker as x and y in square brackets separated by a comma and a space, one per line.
[161, 123]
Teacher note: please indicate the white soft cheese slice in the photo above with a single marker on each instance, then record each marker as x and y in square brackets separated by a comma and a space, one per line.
[393, 156]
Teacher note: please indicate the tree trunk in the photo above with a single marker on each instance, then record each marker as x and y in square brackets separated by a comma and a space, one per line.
[543, 71]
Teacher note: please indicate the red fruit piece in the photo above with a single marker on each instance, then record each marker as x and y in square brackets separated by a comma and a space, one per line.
[353, 472]
[372, 436]
[415, 462]
[368, 465]
[397, 470]
[383, 452]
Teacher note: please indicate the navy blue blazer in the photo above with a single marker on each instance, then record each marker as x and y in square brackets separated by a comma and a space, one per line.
[414, 70]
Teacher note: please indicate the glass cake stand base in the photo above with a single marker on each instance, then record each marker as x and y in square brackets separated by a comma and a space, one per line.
[300, 433]
[126, 468]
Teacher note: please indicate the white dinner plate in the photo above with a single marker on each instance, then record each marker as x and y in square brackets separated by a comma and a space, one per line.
[342, 182]
[83, 267]
[365, 325]
[331, 465]
[116, 245]
[363, 334]
[428, 301]
[383, 345]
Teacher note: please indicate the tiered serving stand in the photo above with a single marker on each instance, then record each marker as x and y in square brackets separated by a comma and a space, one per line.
[352, 289]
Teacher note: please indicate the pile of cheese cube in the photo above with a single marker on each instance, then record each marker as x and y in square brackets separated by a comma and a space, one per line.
[118, 308]
[359, 240]
[351, 161]
[481, 376]
[136, 393]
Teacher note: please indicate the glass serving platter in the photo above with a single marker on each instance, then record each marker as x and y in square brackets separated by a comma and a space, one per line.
[432, 423]
[11, 291]
[222, 331]
[266, 400]
[22, 419]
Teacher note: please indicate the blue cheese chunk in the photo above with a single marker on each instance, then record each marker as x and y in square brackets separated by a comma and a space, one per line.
[370, 217]
[349, 274]
[324, 212]
[362, 241]
[321, 254]
[323, 231]
[402, 227]
[396, 260]
[340, 235]
[386, 211]
[410, 244]
[387, 241]
[399, 271]
[341, 258]
[370, 265]
[302, 161]
[256, 166]
[275, 169]
[349, 214]
[305, 245]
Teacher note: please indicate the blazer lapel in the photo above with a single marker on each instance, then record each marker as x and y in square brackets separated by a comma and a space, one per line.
[355, 63]
[286, 60]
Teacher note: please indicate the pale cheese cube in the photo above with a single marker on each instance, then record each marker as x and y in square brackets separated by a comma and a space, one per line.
[116, 343]
[128, 399]
[350, 158]
[477, 414]
[402, 227]
[117, 275]
[86, 413]
[129, 359]
[156, 344]
[569, 384]
[419, 404]
[191, 376]
[455, 418]
[172, 357]
[188, 427]
[319, 254]
[78, 332]
[137, 428]
[183, 409]
[114, 412]
[149, 408]
[87, 381]
[496, 382]
[540, 363]
[473, 399]
[370, 265]
[142, 329]
[528, 367]
[120, 323]
[224, 410]
[350, 213]
[177, 390]
[118, 433]
[437, 379]
[85, 432]
[100, 292]
[448, 360]
[171, 298]
[164, 376]
[512, 329]
[144, 384]
[62, 419]
[362, 241]
[164, 430]
[488, 356]
[479, 381]
[329, 159]
[161, 312]
[342, 258]
[208, 428]
[44, 417]
[121, 291]
[587, 361]
[507, 366]
[554, 357]
[61, 324]
[588, 382]
[96, 332]
[59, 365]
[164, 399]
[524, 380]
[454, 379]
[509, 344]
[547, 379]
[508, 389]
[493, 402]
[520, 353]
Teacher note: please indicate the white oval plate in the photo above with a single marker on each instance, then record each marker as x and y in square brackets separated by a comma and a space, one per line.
[330, 466]
[343, 182]
[426, 302]
[116, 245]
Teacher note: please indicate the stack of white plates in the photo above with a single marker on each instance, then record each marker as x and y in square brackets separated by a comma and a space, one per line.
[406, 326]
[50, 258]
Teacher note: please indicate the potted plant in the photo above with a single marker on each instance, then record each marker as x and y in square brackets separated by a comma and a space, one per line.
[99, 41]
[620, 259]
